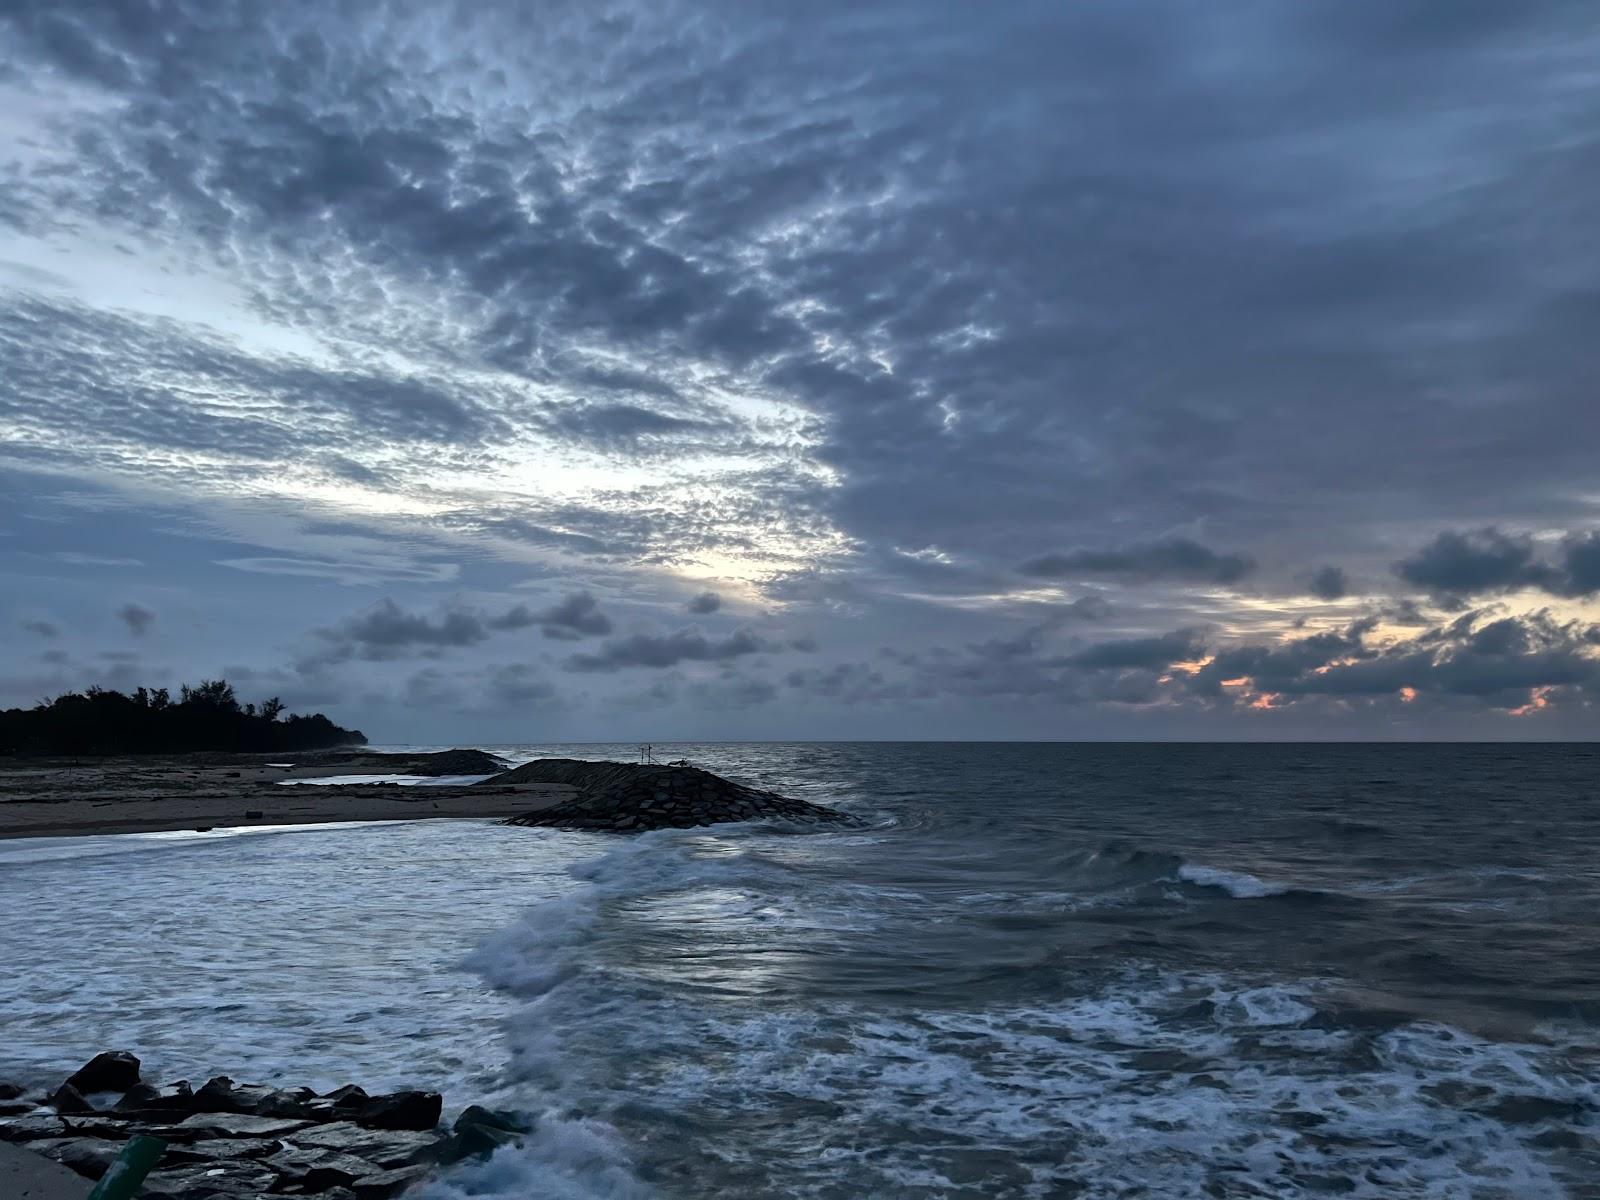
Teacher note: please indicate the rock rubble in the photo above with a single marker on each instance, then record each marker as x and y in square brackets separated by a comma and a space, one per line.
[232, 1141]
[634, 797]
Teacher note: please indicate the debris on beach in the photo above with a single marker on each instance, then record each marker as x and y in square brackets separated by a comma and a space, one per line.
[634, 797]
[227, 1139]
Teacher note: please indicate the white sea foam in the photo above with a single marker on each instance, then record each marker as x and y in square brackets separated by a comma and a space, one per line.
[1131, 1088]
[1236, 883]
[319, 957]
[671, 1008]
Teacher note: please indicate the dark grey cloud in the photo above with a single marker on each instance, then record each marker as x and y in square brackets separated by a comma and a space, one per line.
[732, 691]
[44, 629]
[137, 618]
[430, 688]
[1330, 583]
[667, 650]
[520, 686]
[878, 304]
[1491, 560]
[387, 631]
[1502, 660]
[704, 603]
[1006, 412]
[1176, 559]
[852, 684]
[1482, 561]
[576, 616]
[1149, 653]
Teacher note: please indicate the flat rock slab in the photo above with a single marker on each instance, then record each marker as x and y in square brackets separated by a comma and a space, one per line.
[244, 1180]
[34, 1129]
[232, 1125]
[315, 1169]
[25, 1175]
[387, 1148]
[87, 1156]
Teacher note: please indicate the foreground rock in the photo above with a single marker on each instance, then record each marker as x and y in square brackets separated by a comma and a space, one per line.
[633, 797]
[226, 1139]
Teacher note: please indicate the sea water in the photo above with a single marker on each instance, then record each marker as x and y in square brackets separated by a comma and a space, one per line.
[1032, 971]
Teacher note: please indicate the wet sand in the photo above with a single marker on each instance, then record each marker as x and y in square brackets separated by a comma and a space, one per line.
[62, 798]
[25, 1175]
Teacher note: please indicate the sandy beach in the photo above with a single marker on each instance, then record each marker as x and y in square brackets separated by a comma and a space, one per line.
[64, 798]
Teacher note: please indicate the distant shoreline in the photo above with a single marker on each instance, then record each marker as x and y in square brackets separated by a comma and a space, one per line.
[66, 798]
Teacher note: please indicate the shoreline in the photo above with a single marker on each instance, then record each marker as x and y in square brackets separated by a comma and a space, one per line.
[56, 798]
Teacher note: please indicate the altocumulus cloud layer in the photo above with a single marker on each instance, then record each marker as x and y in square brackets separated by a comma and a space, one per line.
[903, 369]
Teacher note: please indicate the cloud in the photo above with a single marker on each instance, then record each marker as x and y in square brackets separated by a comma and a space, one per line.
[1489, 560]
[137, 618]
[577, 616]
[731, 692]
[387, 631]
[1504, 660]
[1580, 564]
[668, 650]
[1330, 583]
[1175, 559]
[1480, 561]
[520, 686]
[704, 603]
[481, 299]
[44, 629]
[349, 572]
[1149, 652]
[94, 560]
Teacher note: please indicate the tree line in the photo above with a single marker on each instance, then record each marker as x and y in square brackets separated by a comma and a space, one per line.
[207, 716]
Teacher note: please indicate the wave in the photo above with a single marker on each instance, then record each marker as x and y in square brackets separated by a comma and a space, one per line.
[1121, 864]
[1126, 1090]
[659, 1060]
[1238, 884]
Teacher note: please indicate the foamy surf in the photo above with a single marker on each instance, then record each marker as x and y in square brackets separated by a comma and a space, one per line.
[1237, 884]
[653, 1077]
[1005, 989]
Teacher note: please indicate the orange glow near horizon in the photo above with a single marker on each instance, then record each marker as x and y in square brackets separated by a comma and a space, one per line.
[1407, 695]
[1536, 701]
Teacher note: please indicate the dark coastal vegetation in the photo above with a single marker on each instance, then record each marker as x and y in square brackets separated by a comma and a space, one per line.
[208, 716]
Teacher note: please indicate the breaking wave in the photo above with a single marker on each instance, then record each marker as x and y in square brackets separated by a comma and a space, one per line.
[658, 1065]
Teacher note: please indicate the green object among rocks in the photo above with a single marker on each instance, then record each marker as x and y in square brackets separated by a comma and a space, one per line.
[122, 1179]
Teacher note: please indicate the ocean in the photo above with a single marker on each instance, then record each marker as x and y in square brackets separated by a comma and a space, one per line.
[1035, 970]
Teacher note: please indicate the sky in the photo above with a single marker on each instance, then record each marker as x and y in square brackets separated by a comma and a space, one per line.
[509, 371]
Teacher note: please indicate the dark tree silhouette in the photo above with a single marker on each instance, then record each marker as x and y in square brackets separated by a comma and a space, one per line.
[207, 716]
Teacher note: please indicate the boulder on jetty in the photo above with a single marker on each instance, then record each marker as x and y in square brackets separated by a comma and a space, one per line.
[633, 797]
[228, 1139]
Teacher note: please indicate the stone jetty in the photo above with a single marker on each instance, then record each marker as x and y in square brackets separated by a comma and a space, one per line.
[634, 797]
[232, 1141]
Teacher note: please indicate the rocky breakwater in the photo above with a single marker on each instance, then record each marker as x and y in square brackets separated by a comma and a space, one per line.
[634, 797]
[230, 1141]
